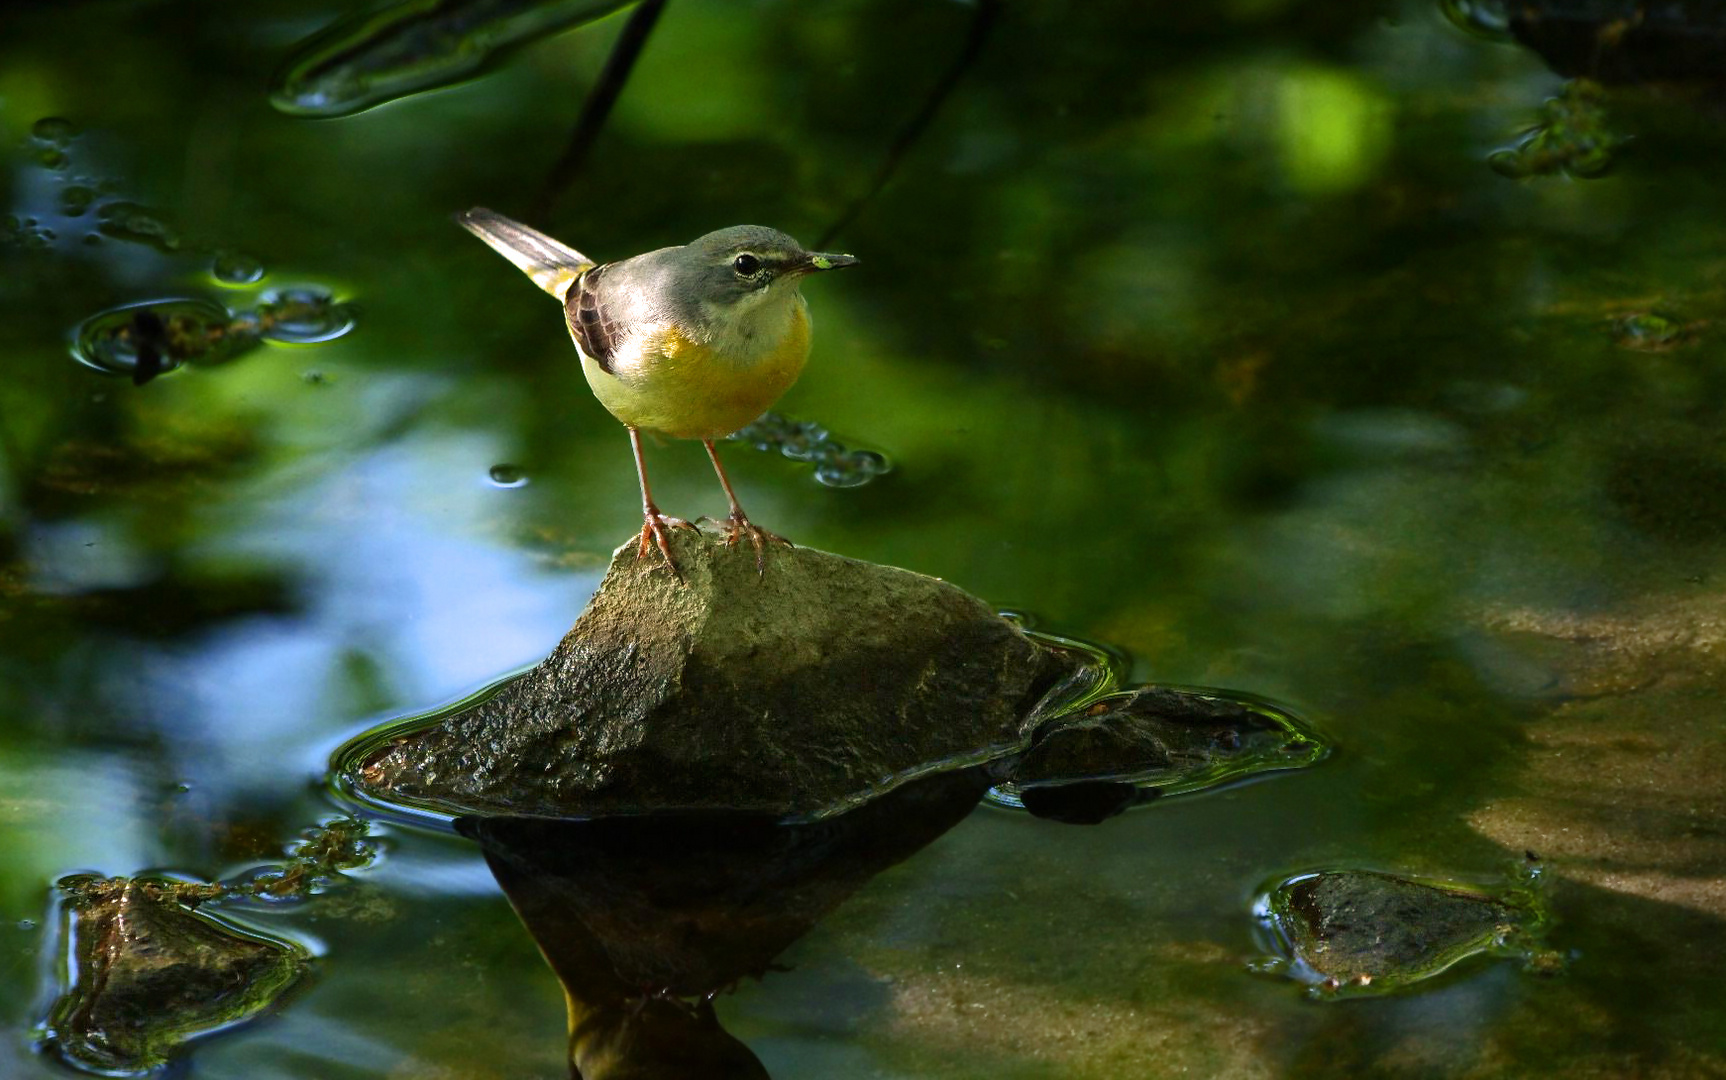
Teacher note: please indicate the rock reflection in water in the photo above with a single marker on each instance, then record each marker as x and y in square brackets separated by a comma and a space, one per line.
[644, 919]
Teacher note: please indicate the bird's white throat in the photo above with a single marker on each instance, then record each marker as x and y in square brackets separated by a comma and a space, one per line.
[754, 326]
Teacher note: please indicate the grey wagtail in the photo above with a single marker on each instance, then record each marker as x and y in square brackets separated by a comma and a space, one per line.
[692, 342]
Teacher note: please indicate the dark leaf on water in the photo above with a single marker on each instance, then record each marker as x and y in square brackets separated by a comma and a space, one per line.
[378, 56]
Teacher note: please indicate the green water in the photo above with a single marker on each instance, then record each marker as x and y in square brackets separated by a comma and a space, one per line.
[1209, 334]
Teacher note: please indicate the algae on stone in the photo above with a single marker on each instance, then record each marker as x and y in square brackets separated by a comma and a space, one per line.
[151, 973]
[1351, 932]
[1174, 740]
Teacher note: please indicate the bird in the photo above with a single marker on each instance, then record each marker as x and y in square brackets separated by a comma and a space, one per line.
[692, 342]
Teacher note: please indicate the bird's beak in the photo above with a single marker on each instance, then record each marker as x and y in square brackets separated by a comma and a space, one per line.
[820, 260]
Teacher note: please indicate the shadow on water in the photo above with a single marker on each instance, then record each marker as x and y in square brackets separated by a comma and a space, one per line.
[646, 919]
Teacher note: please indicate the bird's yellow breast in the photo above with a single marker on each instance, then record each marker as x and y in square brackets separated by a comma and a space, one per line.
[665, 381]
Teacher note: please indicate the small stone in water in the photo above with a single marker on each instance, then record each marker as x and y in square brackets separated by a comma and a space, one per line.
[149, 339]
[246, 325]
[804, 440]
[1572, 137]
[129, 221]
[833, 475]
[508, 476]
[1164, 741]
[75, 199]
[870, 461]
[1508, 164]
[1649, 331]
[851, 470]
[148, 973]
[236, 268]
[54, 130]
[1350, 932]
[27, 233]
[303, 316]
[1482, 18]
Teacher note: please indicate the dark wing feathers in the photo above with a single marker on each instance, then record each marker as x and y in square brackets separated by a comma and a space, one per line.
[589, 323]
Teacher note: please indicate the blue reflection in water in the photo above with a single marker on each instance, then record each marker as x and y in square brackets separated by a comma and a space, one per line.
[45, 826]
[392, 565]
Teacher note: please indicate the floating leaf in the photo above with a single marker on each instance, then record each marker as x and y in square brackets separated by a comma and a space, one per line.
[372, 58]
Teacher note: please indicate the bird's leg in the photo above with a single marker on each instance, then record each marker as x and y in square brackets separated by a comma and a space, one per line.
[737, 524]
[653, 528]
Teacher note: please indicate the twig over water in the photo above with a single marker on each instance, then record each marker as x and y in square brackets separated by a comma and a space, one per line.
[597, 109]
[981, 24]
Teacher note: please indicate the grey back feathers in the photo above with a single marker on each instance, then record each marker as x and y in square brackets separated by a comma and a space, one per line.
[687, 287]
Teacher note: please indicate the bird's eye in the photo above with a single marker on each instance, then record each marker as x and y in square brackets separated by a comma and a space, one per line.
[746, 264]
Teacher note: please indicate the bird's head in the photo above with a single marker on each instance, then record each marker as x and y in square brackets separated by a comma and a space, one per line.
[735, 270]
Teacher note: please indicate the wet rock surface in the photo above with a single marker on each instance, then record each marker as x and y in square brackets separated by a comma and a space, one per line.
[1625, 41]
[1360, 931]
[152, 974]
[1129, 747]
[811, 688]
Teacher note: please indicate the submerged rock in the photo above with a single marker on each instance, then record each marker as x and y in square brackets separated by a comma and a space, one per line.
[152, 973]
[1130, 747]
[1348, 932]
[1573, 137]
[1176, 740]
[801, 692]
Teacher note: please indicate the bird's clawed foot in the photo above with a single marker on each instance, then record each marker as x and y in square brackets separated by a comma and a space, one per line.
[655, 531]
[737, 526]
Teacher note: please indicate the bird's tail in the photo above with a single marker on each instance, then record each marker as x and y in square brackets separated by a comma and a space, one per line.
[551, 265]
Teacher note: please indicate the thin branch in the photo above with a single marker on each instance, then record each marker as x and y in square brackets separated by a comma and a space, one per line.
[981, 24]
[597, 109]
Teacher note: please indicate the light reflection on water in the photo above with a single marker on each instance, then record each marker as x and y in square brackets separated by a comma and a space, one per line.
[399, 531]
